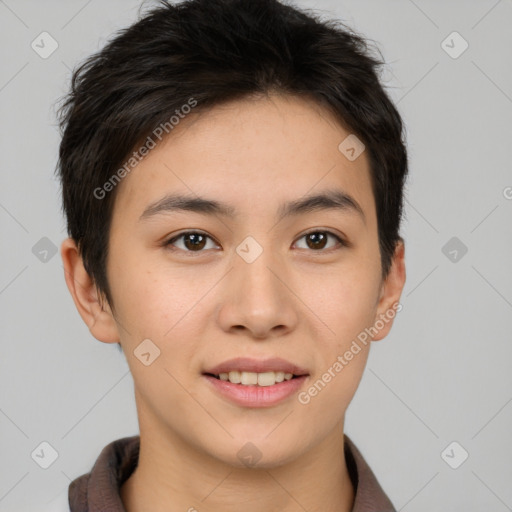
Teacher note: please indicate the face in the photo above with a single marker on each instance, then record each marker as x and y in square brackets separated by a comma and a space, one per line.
[256, 279]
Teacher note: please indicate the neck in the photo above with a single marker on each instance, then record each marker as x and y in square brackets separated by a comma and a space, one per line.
[173, 475]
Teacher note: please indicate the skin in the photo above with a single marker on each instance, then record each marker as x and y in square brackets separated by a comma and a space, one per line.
[295, 301]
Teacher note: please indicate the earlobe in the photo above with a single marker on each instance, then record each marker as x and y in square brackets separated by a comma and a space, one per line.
[87, 299]
[391, 290]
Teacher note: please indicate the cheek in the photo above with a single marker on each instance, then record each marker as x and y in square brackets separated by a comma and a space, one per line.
[159, 308]
[344, 303]
[165, 307]
[152, 298]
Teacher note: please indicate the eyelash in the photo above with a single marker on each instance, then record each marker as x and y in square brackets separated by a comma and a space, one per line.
[168, 243]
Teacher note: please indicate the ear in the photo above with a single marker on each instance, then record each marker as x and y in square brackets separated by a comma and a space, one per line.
[391, 290]
[94, 311]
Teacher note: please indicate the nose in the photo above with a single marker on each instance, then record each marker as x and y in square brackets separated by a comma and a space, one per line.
[258, 298]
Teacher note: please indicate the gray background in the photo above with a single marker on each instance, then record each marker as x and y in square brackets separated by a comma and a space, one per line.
[442, 375]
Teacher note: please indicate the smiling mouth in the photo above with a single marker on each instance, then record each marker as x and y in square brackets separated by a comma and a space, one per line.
[254, 379]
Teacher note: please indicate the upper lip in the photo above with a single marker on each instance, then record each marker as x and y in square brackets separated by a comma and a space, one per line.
[246, 364]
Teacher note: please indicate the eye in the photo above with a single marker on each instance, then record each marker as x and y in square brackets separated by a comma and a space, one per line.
[196, 241]
[193, 241]
[317, 240]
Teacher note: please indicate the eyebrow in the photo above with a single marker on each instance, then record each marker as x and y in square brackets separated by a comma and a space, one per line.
[326, 200]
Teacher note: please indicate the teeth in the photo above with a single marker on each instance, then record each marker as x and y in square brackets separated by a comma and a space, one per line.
[248, 378]
[253, 379]
[266, 379]
[234, 377]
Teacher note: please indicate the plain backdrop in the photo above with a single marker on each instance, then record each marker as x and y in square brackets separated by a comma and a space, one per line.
[443, 374]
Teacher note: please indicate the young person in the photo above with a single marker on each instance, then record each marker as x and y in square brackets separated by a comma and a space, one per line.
[232, 176]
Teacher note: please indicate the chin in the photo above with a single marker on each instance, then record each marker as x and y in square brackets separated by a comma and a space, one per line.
[256, 452]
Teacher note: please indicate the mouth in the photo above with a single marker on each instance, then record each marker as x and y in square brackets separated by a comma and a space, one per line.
[256, 372]
[256, 383]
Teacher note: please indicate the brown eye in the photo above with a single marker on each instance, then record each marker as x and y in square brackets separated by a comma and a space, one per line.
[192, 241]
[318, 240]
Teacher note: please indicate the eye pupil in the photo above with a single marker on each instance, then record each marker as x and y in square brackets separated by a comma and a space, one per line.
[315, 238]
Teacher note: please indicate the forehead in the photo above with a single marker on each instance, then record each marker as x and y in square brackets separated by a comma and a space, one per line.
[250, 153]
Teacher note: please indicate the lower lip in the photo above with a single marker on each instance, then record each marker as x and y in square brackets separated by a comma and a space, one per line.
[257, 396]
